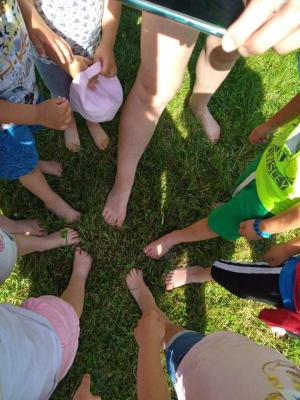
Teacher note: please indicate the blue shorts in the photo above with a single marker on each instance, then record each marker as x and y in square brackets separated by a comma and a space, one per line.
[178, 348]
[18, 152]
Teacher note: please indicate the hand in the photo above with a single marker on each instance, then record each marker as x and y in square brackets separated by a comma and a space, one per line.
[278, 254]
[247, 230]
[105, 54]
[54, 113]
[42, 36]
[84, 390]
[81, 64]
[261, 133]
[263, 25]
[150, 328]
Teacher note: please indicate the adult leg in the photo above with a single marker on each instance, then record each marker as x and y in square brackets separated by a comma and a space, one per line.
[213, 66]
[146, 302]
[37, 184]
[74, 293]
[193, 233]
[28, 244]
[165, 50]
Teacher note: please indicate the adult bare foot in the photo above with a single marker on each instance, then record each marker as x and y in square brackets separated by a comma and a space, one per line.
[72, 141]
[54, 168]
[98, 134]
[82, 262]
[31, 227]
[139, 290]
[183, 276]
[160, 247]
[209, 124]
[115, 208]
[64, 237]
[62, 209]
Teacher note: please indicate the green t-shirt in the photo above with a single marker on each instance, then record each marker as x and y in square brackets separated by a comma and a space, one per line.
[278, 173]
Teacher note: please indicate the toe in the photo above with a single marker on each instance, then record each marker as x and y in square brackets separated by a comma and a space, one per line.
[169, 286]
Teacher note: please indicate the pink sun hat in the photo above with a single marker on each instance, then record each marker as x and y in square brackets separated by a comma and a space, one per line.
[96, 105]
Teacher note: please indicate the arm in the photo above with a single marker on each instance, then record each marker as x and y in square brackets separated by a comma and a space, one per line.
[110, 23]
[265, 24]
[151, 381]
[287, 114]
[54, 113]
[282, 252]
[286, 221]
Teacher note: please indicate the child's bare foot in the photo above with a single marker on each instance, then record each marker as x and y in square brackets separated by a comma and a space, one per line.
[72, 141]
[64, 237]
[160, 247]
[139, 290]
[82, 262]
[115, 208]
[31, 227]
[98, 134]
[209, 124]
[54, 168]
[278, 332]
[62, 209]
[183, 276]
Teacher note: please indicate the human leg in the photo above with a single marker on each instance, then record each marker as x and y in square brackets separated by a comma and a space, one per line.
[28, 244]
[25, 226]
[37, 184]
[185, 275]
[165, 50]
[193, 233]
[213, 66]
[74, 293]
[58, 82]
[98, 134]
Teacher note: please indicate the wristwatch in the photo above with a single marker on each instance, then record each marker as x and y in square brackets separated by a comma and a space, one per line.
[260, 233]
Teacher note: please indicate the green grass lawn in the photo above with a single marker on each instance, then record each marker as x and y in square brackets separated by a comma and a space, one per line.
[179, 177]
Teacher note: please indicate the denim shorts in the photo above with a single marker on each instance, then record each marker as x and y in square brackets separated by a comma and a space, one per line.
[18, 152]
[177, 348]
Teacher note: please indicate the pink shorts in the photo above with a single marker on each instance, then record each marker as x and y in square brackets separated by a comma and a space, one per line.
[65, 322]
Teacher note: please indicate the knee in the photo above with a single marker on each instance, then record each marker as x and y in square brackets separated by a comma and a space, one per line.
[216, 53]
[154, 93]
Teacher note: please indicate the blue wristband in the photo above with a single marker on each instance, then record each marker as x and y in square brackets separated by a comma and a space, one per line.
[260, 233]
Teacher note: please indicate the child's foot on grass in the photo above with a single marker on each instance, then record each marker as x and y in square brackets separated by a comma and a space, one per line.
[31, 227]
[115, 208]
[183, 276]
[98, 134]
[209, 124]
[64, 237]
[82, 263]
[160, 247]
[140, 292]
[54, 168]
[72, 141]
[62, 209]
[278, 332]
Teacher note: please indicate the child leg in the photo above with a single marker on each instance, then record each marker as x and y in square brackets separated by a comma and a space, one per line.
[29, 244]
[98, 134]
[185, 275]
[146, 302]
[193, 233]
[74, 293]
[37, 184]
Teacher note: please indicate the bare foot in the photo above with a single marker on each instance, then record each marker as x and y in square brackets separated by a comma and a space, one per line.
[64, 237]
[54, 168]
[209, 124]
[72, 141]
[160, 247]
[82, 262]
[31, 227]
[62, 209]
[115, 208]
[98, 134]
[139, 290]
[183, 276]
[278, 332]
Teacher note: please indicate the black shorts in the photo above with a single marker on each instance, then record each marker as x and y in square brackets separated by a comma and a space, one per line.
[251, 281]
